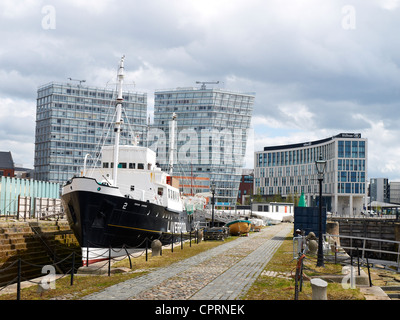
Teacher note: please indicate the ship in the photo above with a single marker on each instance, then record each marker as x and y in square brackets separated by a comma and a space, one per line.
[126, 202]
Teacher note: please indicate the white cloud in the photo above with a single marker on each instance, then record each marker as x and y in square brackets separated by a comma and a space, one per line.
[383, 149]
[312, 78]
[10, 9]
[17, 129]
[388, 4]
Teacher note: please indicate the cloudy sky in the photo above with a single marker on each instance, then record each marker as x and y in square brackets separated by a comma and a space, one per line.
[318, 68]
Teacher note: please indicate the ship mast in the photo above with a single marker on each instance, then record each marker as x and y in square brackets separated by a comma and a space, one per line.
[172, 144]
[118, 120]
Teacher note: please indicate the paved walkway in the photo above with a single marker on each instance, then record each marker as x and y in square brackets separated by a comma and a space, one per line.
[222, 273]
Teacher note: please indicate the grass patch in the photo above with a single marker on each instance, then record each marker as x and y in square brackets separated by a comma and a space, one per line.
[282, 285]
[264, 288]
[87, 284]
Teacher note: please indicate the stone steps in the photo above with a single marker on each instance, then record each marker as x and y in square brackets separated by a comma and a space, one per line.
[30, 242]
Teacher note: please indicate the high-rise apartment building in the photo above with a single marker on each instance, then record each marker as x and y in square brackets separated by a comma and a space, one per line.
[290, 170]
[394, 192]
[74, 120]
[380, 190]
[211, 134]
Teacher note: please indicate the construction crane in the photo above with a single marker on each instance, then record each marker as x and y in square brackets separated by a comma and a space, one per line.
[80, 81]
[203, 83]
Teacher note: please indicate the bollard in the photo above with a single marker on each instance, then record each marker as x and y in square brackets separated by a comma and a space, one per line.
[156, 248]
[319, 289]
[199, 235]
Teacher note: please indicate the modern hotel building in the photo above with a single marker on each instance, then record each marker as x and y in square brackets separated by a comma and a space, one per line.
[212, 129]
[74, 120]
[290, 170]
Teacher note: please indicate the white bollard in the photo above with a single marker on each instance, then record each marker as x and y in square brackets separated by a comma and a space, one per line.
[319, 289]
[156, 247]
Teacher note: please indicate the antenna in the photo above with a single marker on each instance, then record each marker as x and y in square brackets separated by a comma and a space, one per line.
[80, 81]
[203, 83]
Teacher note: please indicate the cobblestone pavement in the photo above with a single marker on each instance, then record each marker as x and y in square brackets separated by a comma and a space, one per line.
[222, 273]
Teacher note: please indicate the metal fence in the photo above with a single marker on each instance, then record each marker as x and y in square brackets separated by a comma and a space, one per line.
[364, 247]
[366, 250]
[73, 261]
[26, 198]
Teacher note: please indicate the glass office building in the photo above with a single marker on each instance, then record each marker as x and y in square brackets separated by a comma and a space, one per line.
[290, 170]
[211, 134]
[74, 120]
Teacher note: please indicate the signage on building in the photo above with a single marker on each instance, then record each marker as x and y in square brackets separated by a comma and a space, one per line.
[350, 135]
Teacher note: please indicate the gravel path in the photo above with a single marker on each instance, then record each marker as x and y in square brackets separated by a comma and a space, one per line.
[222, 273]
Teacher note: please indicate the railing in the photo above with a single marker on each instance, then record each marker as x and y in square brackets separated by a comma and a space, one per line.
[365, 250]
[365, 216]
[72, 264]
[300, 246]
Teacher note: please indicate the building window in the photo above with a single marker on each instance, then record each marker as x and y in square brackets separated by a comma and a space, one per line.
[341, 149]
[361, 149]
[347, 149]
[354, 149]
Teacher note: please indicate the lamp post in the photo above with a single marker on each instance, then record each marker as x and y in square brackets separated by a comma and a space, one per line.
[320, 165]
[212, 203]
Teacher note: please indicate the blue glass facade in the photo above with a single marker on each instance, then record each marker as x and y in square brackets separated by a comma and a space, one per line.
[74, 120]
[290, 170]
[351, 167]
[212, 130]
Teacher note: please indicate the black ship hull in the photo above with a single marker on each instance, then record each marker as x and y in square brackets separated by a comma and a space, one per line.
[102, 220]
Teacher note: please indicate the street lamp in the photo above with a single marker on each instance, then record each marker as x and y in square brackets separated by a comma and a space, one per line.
[212, 203]
[320, 165]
